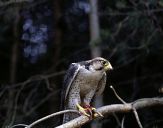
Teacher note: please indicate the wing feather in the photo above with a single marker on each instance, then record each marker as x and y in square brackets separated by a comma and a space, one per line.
[68, 80]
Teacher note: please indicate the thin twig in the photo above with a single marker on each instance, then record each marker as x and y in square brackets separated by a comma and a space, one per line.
[2, 4]
[14, 112]
[122, 123]
[137, 118]
[48, 84]
[117, 119]
[17, 125]
[134, 110]
[16, 104]
[28, 99]
[50, 116]
[35, 78]
[117, 95]
[40, 103]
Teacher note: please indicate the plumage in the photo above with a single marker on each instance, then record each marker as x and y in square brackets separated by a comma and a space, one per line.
[82, 82]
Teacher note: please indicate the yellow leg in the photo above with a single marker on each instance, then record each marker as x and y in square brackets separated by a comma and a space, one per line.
[96, 112]
[82, 110]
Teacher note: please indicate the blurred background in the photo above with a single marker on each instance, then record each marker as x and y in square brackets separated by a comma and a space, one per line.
[40, 39]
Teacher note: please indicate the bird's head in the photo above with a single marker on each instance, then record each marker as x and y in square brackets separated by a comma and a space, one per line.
[100, 64]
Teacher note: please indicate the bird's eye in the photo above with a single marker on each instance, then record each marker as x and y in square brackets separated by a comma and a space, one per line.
[104, 63]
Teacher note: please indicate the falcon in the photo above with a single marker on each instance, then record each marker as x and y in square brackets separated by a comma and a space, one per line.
[82, 82]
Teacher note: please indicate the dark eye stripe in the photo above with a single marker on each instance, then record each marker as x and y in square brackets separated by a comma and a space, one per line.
[87, 66]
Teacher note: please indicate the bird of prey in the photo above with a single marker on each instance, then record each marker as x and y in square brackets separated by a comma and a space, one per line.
[82, 82]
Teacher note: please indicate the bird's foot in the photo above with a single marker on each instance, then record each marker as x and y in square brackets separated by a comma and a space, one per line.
[82, 110]
[92, 111]
[89, 111]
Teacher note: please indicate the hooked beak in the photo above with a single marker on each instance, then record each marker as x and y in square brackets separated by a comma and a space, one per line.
[108, 67]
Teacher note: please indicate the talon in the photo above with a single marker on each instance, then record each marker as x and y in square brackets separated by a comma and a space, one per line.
[96, 112]
[82, 110]
[94, 109]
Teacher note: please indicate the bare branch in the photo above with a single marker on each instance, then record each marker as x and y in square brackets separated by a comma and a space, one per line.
[134, 110]
[117, 95]
[144, 12]
[36, 78]
[50, 116]
[39, 104]
[13, 2]
[116, 108]
[137, 118]
[105, 110]
[117, 119]
[15, 106]
[123, 120]
[17, 125]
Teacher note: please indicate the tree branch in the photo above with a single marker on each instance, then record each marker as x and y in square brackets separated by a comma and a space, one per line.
[50, 116]
[2, 4]
[137, 118]
[34, 78]
[116, 108]
[105, 110]
[115, 93]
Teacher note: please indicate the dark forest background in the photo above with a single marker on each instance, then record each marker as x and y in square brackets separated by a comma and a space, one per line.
[39, 40]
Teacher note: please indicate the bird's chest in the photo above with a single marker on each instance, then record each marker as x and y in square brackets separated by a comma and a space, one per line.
[87, 82]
